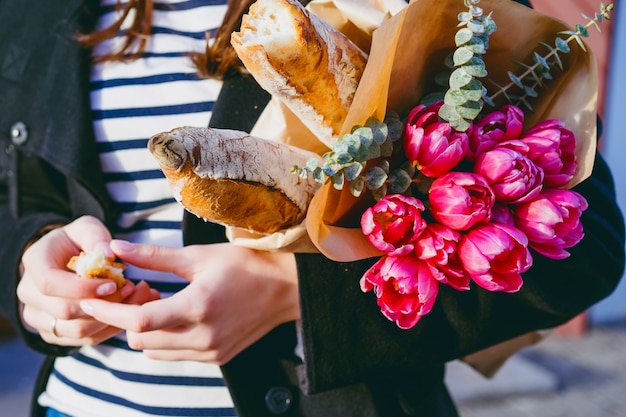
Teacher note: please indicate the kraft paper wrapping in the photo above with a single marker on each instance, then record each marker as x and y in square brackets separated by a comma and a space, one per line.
[407, 47]
[408, 50]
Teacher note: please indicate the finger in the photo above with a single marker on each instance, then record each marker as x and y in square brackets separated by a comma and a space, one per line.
[45, 264]
[89, 234]
[153, 257]
[151, 316]
[66, 332]
[184, 355]
[142, 294]
[31, 297]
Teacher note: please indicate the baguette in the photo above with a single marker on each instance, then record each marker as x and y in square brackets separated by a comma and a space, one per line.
[302, 61]
[234, 179]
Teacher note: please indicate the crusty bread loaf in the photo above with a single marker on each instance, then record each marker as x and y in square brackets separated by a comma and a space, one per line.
[96, 265]
[232, 178]
[303, 61]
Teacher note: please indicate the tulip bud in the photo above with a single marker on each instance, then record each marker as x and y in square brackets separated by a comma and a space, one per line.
[460, 200]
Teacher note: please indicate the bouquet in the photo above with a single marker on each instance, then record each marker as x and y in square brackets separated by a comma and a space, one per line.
[447, 179]
[463, 187]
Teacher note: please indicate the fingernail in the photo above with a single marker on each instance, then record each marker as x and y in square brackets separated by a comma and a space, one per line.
[122, 245]
[106, 289]
[127, 289]
[86, 307]
[104, 248]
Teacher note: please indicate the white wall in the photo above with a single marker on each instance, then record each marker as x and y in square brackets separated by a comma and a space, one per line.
[614, 150]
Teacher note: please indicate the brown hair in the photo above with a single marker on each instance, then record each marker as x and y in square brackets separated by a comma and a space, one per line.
[217, 61]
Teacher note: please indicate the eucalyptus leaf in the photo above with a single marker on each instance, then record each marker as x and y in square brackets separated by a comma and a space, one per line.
[460, 125]
[530, 92]
[441, 78]
[343, 145]
[474, 91]
[357, 186]
[476, 27]
[400, 181]
[449, 113]
[395, 128]
[459, 78]
[490, 25]
[343, 158]
[431, 98]
[477, 45]
[463, 36]
[475, 67]
[365, 135]
[329, 170]
[384, 165]
[338, 181]
[312, 163]
[464, 17]
[582, 30]
[363, 153]
[454, 98]
[352, 171]
[373, 151]
[318, 175]
[379, 193]
[380, 132]
[516, 80]
[375, 177]
[462, 56]
[386, 149]
[541, 60]
[470, 110]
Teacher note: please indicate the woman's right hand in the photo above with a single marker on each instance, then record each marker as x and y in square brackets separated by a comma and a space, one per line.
[50, 294]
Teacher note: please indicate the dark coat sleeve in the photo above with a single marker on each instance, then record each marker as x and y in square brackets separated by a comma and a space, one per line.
[51, 174]
[347, 339]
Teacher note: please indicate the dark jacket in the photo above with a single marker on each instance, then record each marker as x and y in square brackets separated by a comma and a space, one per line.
[357, 363]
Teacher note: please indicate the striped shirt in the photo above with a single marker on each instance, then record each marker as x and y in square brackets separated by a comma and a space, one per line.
[131, 102]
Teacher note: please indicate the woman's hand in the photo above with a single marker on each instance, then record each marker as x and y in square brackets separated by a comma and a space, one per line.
[50, 294]
[235, 296]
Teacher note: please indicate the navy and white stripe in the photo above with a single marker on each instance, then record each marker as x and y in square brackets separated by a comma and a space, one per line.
[131, 102]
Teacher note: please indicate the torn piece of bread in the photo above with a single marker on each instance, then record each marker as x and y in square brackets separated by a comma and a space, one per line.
[96, 265]
[303, 61]
[235, 179]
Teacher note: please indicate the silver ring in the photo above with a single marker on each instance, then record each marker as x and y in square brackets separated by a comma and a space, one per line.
[54, 327]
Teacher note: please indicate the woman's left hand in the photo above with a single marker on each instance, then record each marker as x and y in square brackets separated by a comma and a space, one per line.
[236, 295]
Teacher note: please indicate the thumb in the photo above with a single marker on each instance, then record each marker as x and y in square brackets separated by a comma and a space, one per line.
[152, 257]
[90, 234]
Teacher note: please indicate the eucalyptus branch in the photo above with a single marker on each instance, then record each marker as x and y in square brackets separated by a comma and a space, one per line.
[346, 163]
[463, 101]
[539, 71]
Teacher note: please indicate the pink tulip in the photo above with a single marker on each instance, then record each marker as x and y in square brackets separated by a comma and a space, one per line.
[460, 200]
[437, 247]
[495, 255]
[394, 223]
[431, 144]
[496, 127]
[553, 148]
[404, 287]
[552, 221]
[513, 177]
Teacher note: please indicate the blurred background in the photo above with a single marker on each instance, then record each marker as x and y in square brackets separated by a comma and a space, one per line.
[579, 370]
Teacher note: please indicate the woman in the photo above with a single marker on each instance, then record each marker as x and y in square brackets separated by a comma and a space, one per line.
[76, 173]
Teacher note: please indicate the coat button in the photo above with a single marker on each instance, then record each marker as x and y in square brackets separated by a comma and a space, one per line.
[19, 133]
[278, 400]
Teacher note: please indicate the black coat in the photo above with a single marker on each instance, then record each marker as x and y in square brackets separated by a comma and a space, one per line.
[357, 363]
